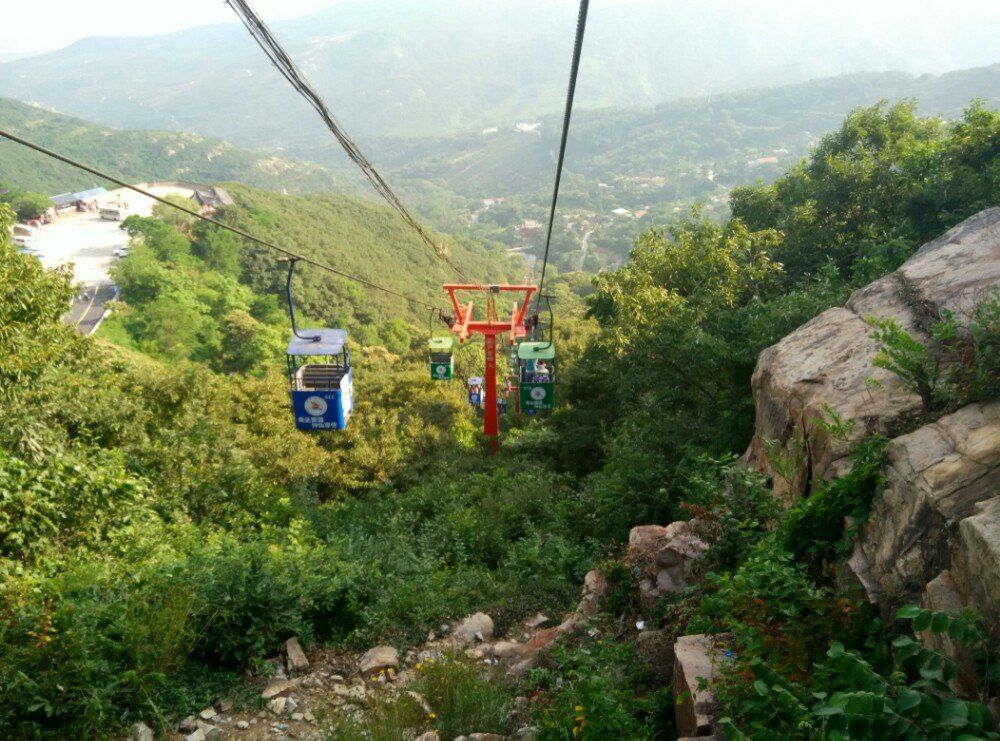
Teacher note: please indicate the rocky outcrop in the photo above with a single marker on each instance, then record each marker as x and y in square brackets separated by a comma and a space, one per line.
[828, 361]
[976, 557]
[943, 595]
[939, 509]
[663, 558]
[934, 478]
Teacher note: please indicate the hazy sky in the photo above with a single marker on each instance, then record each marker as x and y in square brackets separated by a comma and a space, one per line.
[42, 25]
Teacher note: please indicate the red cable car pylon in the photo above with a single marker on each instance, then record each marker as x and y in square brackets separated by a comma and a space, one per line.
[465, 325]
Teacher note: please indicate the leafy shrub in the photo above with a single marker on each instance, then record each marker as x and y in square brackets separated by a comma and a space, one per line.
[732, 507]
[593, 691]
[813, 529]
[959, 364]
[849, 697]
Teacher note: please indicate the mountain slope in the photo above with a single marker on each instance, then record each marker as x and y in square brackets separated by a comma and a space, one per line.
[722, 131]
[409, 67]
[139, 155]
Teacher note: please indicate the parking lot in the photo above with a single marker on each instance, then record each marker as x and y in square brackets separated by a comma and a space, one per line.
[88, 242]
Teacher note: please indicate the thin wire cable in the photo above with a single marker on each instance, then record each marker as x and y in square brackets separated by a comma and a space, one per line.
[235, 230]
[286, 66]
[581, 26]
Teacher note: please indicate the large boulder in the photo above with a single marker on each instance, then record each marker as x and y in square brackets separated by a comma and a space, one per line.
[828, 361]
[655, 650]
[697, 660]
[595, 589]
[934, 478]
[377, 659]
[295, 656]
[476, 628]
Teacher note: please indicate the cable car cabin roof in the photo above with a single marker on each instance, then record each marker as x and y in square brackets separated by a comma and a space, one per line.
[536, 351]
[441, 344]
[331, 342]
[475, 381]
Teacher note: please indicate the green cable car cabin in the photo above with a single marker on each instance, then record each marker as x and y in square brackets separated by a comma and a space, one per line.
[442, 363]
[537, 376]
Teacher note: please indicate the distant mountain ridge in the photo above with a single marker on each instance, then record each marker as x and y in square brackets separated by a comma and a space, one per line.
[721, 131]
[432, 67]
[139, 155]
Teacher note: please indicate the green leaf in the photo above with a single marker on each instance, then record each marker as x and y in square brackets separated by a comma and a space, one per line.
[923, 620]
[907, 612]
[908, 699]
[939, 622]
[954, 712]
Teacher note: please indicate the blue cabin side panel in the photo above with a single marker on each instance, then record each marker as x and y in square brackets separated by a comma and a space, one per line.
[324, 409]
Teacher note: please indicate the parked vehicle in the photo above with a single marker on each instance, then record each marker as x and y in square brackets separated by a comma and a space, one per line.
[24, 244]
[121, 252]
[112, 214]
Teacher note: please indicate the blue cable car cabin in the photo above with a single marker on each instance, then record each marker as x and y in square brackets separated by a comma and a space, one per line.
[319, 376]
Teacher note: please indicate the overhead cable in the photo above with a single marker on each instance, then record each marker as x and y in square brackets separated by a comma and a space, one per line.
[216, 222]
[581, 25]
[286, 66]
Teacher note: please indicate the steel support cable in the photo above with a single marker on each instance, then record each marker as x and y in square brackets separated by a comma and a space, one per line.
[286, 66]
[235, 230]
[581, 26]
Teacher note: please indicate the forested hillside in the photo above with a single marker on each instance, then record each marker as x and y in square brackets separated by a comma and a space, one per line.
[656, 161]
[652, 163]
[203, 294]
[165, 529]
[138, 156]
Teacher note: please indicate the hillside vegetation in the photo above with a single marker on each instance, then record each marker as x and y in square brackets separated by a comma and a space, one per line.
[137, 156]
[164, 528]
[200, 293]
[658, 161]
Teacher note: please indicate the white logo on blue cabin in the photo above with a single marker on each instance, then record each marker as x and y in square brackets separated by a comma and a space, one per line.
[316, 406]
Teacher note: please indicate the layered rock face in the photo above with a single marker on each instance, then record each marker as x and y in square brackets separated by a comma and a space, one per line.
[827, 362]
[935, 477]
[940, 508]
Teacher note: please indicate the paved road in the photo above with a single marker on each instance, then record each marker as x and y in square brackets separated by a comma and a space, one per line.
[584, 247]
[88, 307]
[88, 242]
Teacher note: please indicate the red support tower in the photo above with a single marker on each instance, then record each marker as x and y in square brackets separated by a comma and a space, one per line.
[465, 325]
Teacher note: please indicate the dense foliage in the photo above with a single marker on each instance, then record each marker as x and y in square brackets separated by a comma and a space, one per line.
[682, 323]
[163, 528]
